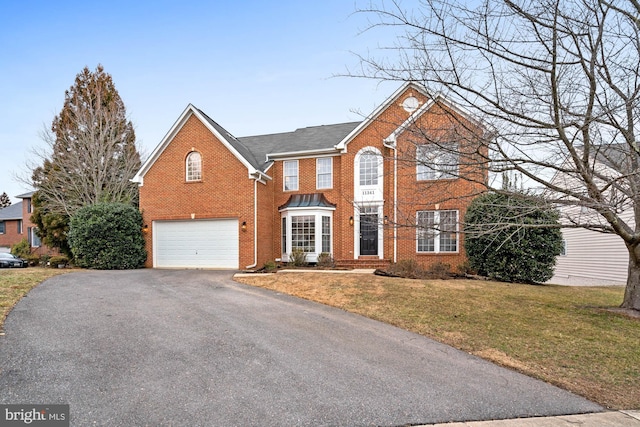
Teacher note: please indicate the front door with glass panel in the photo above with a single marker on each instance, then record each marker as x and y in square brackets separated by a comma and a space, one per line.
[368, 234]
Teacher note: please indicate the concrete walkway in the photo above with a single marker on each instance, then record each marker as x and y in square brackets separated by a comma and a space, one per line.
[601, 419]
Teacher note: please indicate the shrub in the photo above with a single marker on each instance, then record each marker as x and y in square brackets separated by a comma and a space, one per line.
[326, 260]
[269, 266]
[298, 257]
[21, 249]
[58, 260]
[439, 270]
[408, 268]
[107, 236]
[512, 238]
[44, 259]
[33, 260]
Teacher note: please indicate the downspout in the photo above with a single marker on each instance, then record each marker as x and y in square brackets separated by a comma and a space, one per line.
[395, 204]
[255, 224]
[391, 143]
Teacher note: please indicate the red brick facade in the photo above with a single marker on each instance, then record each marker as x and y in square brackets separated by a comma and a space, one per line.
[20, 227]
[232, 188]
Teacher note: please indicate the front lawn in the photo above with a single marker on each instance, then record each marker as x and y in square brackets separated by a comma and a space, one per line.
[562, 335]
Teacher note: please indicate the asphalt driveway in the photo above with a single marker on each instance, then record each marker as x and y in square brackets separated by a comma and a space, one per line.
[194, 348]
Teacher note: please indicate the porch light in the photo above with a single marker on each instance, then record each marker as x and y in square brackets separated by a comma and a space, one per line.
[351, 220]
[386, 220]
[145, 228]
[244, 226]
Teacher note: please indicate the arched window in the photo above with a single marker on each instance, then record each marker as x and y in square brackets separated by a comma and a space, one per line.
[194, 166]
[368, 169]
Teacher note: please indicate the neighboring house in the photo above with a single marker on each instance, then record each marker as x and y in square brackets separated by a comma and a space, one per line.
[353, 190]
[15, 225]
[591, 257]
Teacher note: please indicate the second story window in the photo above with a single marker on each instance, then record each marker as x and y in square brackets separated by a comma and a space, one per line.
[290, 169]
[437, 161]
[368, 169]
[323, 173]
[194, 166]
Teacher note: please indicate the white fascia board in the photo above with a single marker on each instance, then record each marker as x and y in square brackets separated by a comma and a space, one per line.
[342, 145]
[267, 168]
[139, 177]
[324, 152]
[407, 123]
[224, 141]
[186, 114]
[261, 177]
[390, 141]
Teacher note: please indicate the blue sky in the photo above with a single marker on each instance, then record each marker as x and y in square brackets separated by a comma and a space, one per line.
[253, 66]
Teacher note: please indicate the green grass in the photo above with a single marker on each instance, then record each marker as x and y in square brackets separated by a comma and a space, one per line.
[563, 335]
[16, 283]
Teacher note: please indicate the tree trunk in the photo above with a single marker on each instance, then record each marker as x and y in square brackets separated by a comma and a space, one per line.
[632, 291]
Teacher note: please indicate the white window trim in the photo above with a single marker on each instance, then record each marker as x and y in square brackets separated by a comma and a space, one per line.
[436, 237]
[318, 213]
[330, 159]
[186, 169]
[368, 194]
[422, 168]
[284, 175]
[33, 237]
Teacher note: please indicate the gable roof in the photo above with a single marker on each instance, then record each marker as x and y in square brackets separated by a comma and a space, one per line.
[258, 152]
[228, 140]
[12, 212]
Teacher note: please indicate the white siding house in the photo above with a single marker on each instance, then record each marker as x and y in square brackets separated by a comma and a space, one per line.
[591, 258]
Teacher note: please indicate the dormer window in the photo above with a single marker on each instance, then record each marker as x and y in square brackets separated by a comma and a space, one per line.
[194, 166]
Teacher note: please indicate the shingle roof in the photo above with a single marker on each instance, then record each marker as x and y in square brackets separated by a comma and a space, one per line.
[235, 143]
[11, 212]
[312, 138]
[26, 195]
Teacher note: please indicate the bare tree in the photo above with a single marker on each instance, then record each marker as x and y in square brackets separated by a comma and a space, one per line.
[558, 84]
[90, 156]
[91, 149]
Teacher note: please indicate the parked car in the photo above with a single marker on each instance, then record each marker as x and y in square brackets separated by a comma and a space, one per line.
[12, 261]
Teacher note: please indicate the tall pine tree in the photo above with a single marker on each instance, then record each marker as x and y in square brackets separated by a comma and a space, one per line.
[92, 155]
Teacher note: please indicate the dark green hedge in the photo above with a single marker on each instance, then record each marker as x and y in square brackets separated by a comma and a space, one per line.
[107, 236]
[512, 238]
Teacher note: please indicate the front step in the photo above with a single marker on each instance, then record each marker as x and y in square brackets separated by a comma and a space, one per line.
[363, 263]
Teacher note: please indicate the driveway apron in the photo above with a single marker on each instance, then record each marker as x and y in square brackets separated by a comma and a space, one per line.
[178, 348]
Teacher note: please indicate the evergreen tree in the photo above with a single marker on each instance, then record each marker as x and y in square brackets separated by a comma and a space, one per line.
[513, 238]
[5, 201]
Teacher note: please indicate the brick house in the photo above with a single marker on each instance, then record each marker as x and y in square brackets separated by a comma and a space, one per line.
[15, 225]
[354, 190]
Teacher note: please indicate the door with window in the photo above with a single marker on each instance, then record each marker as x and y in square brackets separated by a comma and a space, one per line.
[369, 233]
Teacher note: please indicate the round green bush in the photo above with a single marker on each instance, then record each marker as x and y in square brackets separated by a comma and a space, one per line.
[107, 236]
[512, 238]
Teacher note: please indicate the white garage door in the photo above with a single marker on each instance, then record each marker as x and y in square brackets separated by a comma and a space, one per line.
[196, 244]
